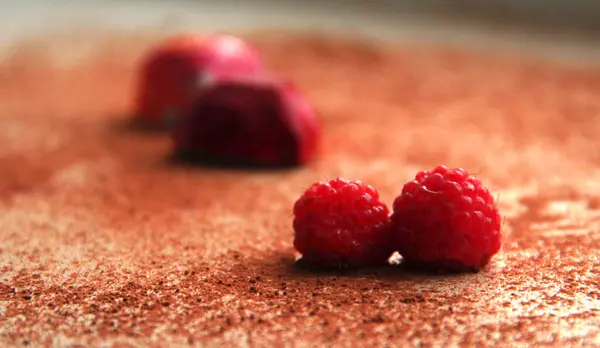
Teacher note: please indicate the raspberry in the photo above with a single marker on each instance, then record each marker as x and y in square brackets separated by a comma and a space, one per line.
[249, 121]
[182, 66]
[446, 220]
[341, 224]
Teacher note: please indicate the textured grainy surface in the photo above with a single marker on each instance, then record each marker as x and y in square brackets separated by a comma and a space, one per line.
[104, 241]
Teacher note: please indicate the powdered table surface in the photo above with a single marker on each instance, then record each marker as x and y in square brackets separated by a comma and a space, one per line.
[103, 240]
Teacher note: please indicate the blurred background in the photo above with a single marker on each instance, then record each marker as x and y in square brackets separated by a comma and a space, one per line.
[558, 28]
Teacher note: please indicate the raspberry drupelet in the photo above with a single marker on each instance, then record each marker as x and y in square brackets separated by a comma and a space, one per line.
[446, 220]
[341, 223]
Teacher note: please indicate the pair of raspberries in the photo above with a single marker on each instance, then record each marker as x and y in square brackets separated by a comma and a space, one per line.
[444, 220]
[223, 105]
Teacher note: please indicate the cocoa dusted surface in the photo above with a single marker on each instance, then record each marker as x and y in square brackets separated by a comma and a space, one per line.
[104, 241]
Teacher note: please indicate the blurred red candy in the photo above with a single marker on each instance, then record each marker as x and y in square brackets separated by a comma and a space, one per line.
[172, 73]
[253, 121]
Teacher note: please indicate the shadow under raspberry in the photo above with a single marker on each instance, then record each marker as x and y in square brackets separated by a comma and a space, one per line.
[447, 269]
[401, 269]
[195, 159]
[135, 125]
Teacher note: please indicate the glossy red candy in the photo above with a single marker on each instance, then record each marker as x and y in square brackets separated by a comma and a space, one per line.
[256, 121]
[172, 74]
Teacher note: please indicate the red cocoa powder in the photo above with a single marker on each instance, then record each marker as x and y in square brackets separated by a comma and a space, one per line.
[103, 240]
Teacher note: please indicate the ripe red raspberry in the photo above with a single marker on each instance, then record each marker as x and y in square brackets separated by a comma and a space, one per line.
[341, 224]
[249, 121]
[172, 73]
[446, 220]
